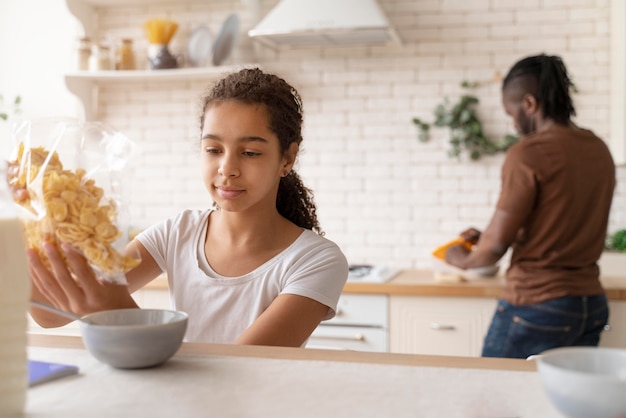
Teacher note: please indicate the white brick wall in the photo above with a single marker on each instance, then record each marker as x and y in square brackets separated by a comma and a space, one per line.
[383, 196]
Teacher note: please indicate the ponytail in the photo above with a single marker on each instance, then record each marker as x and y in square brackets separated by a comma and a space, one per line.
[554, 89]
[295, 202]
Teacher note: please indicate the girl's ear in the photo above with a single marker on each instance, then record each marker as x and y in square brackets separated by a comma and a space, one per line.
[290, 157]
[529, 104]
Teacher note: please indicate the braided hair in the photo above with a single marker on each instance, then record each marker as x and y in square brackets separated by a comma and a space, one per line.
[546, 78]
[284, 108]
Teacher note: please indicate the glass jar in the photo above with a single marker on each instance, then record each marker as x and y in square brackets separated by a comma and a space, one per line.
[15, 283]
[83, 52]
[100, 59]
[124, 55]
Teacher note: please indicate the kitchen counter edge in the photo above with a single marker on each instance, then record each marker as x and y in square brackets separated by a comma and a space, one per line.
[422, 283]
[201, 349]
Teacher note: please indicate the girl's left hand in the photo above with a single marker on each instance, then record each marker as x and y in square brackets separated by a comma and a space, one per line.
[74, 286]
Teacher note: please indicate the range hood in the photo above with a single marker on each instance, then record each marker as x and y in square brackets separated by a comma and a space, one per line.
[293, 23]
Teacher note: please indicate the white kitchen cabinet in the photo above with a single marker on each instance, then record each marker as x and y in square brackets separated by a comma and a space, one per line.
[361, 323]
[85, 84]
[453, 326]
[615, 333]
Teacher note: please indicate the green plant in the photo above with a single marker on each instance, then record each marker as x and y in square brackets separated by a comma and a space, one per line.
[466, 130]
[14, 107]
[617, 241]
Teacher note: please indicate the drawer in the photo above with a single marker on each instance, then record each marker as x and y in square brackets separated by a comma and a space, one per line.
[339, 337]
[439, 326]
[369, 310]
[449, 335]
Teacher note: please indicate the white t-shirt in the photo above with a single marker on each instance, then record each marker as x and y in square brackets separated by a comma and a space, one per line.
[221, 308]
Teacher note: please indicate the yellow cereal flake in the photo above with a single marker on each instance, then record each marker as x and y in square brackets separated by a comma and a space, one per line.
[69, 196]
[57, 209]
[76, 211]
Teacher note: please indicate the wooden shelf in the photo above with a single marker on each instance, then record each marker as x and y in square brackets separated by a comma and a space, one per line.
[118, 3]
[153, 75]
[85, 84]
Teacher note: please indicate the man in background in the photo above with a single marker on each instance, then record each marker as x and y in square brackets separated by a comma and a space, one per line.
[557, 186]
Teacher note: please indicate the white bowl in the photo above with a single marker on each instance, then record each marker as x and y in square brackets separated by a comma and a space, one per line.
[453, 273]
[134, 338]
[482, 272]
[585, 382]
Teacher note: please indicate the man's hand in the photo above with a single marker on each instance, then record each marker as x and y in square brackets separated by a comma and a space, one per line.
[471, 235]
[456, 254]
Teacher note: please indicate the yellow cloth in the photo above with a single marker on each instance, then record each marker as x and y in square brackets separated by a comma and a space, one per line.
[440, 252]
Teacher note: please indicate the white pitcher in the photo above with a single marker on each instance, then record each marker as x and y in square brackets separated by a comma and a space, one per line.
[14, 296]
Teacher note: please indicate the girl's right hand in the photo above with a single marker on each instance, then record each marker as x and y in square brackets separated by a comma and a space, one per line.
[72, 286]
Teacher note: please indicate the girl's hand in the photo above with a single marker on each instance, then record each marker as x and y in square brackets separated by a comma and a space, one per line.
[73, 286]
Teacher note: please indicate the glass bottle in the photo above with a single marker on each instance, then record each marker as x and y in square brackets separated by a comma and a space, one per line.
[14, 296]
[100, 59]
[124, 55]
[83, 52]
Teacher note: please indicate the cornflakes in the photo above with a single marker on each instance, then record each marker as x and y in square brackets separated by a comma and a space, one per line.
[75, 210]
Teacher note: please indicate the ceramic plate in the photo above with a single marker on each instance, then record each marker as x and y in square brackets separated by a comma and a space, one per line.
[200, 46]
[225, 42]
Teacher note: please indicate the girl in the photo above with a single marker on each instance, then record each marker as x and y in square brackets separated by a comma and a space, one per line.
[253, 269]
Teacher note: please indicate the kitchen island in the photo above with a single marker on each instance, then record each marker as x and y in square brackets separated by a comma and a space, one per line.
[246, 381]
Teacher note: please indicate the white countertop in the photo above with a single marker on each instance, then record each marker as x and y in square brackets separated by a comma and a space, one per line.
[235, 381]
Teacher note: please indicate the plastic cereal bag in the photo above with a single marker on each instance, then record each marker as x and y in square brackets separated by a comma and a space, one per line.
[67, 176]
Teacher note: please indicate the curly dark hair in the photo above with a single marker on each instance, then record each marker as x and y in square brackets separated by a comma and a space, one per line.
[546, 78]
[284, 107]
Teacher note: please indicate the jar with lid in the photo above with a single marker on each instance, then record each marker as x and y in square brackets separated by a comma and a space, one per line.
[83, 52]
[15, 282]
[100, 59]
[124, 55]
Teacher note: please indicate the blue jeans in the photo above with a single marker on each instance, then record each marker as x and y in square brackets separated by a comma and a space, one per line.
[521, 331]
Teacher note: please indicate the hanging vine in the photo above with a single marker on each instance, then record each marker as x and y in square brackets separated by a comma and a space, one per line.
[466, 129]
[13, 108]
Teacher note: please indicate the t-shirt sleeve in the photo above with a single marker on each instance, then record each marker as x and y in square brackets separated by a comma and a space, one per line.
[519, 182]
[319, 273]
[155, 239]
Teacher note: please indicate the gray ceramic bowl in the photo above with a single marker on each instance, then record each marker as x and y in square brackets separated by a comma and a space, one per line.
[585, 381]
[134, 338]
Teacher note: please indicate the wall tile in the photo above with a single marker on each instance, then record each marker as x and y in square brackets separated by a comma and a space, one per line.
[382, 195]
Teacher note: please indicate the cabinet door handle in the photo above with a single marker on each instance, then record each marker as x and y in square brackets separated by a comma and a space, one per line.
[440, 327]
[356, 337]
